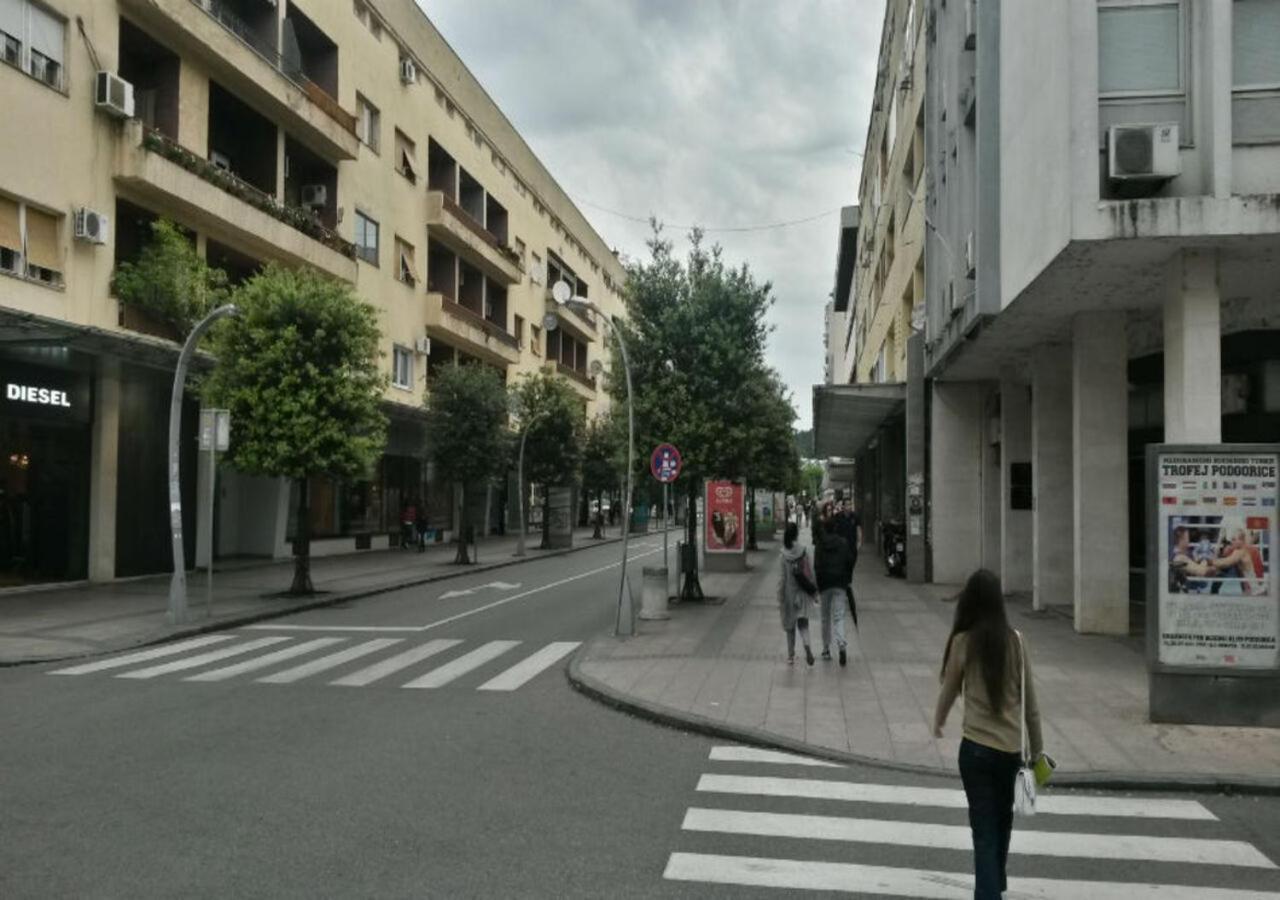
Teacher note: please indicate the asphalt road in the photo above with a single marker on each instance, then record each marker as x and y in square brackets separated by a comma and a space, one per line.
[135, 781]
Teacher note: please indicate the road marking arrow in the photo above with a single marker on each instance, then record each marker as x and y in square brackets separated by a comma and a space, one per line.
[502, 585]
[448, 594]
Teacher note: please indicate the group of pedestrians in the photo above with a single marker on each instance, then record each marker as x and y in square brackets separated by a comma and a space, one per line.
[826, 582]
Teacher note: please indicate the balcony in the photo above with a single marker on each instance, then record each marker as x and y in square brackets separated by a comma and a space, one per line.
[581, 323]
[246, 60]
[171, 180]
[470, 332]
[585, 384]
[452, 226]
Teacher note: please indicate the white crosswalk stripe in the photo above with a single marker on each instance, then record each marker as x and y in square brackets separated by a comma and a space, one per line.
[332, 661]
[523, 671]
[380, 670]
[462, 665]
[1200, 854]
[119, 662]
[193, 662]
[264, 662]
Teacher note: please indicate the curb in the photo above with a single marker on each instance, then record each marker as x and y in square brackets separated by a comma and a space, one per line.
[320, 603]
[691, 722]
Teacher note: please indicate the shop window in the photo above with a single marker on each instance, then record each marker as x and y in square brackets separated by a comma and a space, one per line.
[402, 367]
[366, 238]
[407, 271]
[368, 123]
[1255, 70]
[1020, 486]
[34, 40]
[405, 150]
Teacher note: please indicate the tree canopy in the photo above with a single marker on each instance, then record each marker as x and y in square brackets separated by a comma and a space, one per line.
[169, 280]
[556, 421]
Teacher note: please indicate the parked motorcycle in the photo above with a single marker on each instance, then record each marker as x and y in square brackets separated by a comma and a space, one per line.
[893, 547]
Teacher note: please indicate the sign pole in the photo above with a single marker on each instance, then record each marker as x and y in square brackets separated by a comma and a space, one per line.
[213, 481]
[665, 523]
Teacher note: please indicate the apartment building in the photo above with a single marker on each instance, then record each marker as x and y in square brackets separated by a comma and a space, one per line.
[878, 297]
[346, 136]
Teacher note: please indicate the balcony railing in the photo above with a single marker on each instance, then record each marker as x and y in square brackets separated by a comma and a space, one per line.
[493, 329]
[480, 231]
[301, 219]
[221, 13]
[580, 377]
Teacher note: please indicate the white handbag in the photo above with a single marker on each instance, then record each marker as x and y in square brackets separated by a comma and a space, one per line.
[1024, 784]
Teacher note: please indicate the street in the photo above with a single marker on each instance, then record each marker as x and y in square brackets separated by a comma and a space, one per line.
[288, 760]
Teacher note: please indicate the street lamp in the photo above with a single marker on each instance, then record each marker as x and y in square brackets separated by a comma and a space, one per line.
[563, 296]
[524, 433]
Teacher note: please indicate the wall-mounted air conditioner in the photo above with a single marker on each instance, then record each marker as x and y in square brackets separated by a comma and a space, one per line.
[314, 196]
[423, 345]
[1143, 152]
[113, 95]
[408, 71]
[91, 227]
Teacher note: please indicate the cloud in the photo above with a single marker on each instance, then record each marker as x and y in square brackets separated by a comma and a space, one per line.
[712, 112]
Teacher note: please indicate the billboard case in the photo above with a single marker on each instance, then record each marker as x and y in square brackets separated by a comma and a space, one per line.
[725, 517]
[1216, 536]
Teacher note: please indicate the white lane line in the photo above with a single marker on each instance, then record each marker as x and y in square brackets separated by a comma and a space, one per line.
[201, 659]
[862, 880]
[1050, 804]
[527, 668]
[267, 626]
[1196, 851]
[332, 661]
[757, 755]
[462, 665]
[395, 663]
[263, 662]
[118, 662]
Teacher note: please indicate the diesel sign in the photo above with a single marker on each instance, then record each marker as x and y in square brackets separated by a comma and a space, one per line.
[42, 396]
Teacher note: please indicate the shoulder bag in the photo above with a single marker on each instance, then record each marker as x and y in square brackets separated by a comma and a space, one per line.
[1024, 785]
[803, 574]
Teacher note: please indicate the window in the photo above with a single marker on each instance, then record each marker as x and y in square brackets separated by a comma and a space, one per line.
[368, 123]
[535, 339]
[535, 270]
[1140, 50]
[520, 249]
[366, 238]
[519, 320]
[406, 271]
[402, 367]
[1255, 65]
[29, 242]
[405, 150]
[33, 40]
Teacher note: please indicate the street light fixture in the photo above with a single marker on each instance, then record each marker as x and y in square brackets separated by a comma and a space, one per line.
[562, 293]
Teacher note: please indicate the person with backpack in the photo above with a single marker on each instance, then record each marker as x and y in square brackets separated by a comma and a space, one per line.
[796, 588]
[833, 570]
[988, 660]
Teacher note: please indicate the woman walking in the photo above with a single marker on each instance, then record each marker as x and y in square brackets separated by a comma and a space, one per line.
[794, 601]
[988, 660]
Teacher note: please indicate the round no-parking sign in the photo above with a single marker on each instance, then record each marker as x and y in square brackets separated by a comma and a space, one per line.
[665, 463]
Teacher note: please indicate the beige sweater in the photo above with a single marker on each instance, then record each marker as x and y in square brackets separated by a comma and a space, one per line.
[981, 723]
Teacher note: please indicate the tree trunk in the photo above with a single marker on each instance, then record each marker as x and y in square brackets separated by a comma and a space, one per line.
[691, 589]
[302, 542]
[598, 534]
[464, 528]
[546, 518]
[747, 493]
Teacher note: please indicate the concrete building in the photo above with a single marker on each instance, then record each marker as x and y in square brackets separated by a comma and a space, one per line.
[344, 136]
[1092, 289]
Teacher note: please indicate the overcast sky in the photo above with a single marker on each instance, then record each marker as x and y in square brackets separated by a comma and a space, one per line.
[722, 113]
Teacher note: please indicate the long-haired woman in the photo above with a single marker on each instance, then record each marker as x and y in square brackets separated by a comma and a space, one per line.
[986, 658]
[795, 603]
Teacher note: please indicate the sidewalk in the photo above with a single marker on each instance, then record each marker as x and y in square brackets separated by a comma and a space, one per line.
[83, 620]
[722, 670]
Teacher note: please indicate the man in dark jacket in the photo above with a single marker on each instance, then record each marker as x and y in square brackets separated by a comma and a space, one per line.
[833, 570]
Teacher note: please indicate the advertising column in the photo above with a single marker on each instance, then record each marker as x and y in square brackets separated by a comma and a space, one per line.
[726, 523]
[1214, 601]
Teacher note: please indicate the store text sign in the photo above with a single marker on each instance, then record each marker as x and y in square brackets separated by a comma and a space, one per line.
[23, 393]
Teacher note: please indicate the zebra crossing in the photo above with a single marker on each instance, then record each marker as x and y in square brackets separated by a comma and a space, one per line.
[859, 838]
[334, 661]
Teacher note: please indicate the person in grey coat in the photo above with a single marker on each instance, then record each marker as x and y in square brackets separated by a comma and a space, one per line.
[794, 603]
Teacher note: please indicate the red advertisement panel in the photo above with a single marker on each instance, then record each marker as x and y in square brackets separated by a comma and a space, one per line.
[726, 517]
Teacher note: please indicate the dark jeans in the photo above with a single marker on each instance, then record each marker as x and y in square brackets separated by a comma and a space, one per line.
[988, 777]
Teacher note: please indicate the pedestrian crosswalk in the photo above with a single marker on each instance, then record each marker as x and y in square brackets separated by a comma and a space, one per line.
[336, 661]
[848, 835]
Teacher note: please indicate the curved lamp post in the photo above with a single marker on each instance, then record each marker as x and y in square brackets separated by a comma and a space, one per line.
[563, 295]
[178, 583]
[524, 433]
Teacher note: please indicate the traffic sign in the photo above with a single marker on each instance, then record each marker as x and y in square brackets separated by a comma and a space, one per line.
[665, 463]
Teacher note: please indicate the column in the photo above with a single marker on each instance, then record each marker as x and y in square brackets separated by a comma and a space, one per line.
[1192, 350]
[1015, 449]
[991, 456]
[1100, 461]
[955, 480]
[104, 473]
[917, 570]
[1053, 509]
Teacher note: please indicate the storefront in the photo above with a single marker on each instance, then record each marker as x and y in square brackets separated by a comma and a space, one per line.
[46, 408]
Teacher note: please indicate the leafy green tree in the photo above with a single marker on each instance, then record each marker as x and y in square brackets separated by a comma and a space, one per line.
[170, 281]
[556, 419]
[811, 478]
[804, 443]
[600, 466]
[299, 371]
[467, 436]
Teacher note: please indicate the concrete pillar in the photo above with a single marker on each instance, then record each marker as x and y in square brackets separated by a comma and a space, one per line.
[1192, 350]
[917, 570]
[1215, 84]
[193, 109]
[104, 473]
[1015, 448]
[1100, 463]
[1053, 510]
[955, 480]
[282, 157]
[990, 477]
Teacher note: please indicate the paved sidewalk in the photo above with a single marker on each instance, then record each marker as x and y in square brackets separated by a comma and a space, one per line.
[83, 620]
[723, 669]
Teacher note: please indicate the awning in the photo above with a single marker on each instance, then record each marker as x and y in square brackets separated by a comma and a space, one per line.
[846, 416]
[23, 329]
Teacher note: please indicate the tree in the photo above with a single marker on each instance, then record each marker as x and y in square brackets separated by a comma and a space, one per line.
[599, 465]
[804, 443]
[811, 477]
[467, 435]
[170, 281]
[299, 371]
[556, 420]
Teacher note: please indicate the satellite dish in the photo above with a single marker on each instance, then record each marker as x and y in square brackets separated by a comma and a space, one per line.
[596, 367]
[551, 321]
[561, 291]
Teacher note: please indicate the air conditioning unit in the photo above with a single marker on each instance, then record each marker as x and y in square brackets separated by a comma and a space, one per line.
[970, 24]
[970, 255]
[91, 227]
[113, 95]
[220, 160]
[408, 71]
[314, 196]
[423, 345]
[1143, 152]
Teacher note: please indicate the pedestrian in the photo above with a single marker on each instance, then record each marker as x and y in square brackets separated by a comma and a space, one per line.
[849, 524]
[408, 516]
[795, 600]
[988, 660]
[420, 525]
[833, 567]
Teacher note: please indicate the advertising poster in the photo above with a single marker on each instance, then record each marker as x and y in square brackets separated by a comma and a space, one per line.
[725, 517]
[1217, 532]
[764, 512]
